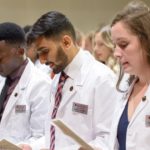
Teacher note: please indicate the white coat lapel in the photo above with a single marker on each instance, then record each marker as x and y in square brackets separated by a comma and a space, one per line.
[70, 90]
[18, 91]
[118, 112]
[14, 97]
[2, 82]
[77, 73]
[141, 106]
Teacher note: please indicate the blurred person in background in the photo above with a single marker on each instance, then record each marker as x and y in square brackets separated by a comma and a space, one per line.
[88, 42]
[103, 48]
[32, 54]
[79, 38]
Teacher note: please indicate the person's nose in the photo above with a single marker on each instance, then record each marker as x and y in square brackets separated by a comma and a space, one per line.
[43, 59]
[96, 49]
[117, 52]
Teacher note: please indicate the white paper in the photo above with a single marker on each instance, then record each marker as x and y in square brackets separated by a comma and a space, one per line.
[69, 132]
[6, 145]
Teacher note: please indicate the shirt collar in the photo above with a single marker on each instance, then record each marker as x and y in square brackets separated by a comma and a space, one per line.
[73, 68]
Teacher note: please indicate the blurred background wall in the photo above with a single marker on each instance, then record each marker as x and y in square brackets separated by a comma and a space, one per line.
[86, 15]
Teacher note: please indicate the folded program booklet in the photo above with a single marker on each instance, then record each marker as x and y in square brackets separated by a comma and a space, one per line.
[6, 145]
[69, 132]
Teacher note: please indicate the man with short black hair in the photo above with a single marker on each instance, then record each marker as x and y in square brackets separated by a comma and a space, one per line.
[24, 98]
[87, 98]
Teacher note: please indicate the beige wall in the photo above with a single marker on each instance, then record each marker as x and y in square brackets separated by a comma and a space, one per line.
[84, 14]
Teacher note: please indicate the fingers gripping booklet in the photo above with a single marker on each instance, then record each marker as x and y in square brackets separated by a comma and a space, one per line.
[69, 132]
[6, 145]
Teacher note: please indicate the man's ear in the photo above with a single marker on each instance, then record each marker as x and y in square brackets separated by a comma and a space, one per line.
[66, 41]
[20, 51]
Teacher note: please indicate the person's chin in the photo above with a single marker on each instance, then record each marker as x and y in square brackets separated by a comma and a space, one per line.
[128, 70]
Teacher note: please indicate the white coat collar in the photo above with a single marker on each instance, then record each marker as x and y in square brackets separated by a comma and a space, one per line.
[77, 69]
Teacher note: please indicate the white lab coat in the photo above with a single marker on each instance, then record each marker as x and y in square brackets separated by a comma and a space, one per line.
[92, 84]
[138, 134]
[33, 93]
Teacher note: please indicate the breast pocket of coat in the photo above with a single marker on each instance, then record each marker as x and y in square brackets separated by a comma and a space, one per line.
[142, 129]
[20, 119]
[82, 112]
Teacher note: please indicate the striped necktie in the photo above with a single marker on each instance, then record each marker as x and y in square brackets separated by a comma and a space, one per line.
[58, 97]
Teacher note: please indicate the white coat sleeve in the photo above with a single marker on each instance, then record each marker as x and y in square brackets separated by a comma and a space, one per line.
[106, 97]
[39, 107]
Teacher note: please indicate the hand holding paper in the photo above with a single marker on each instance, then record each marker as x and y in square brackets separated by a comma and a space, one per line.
[25, 147]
